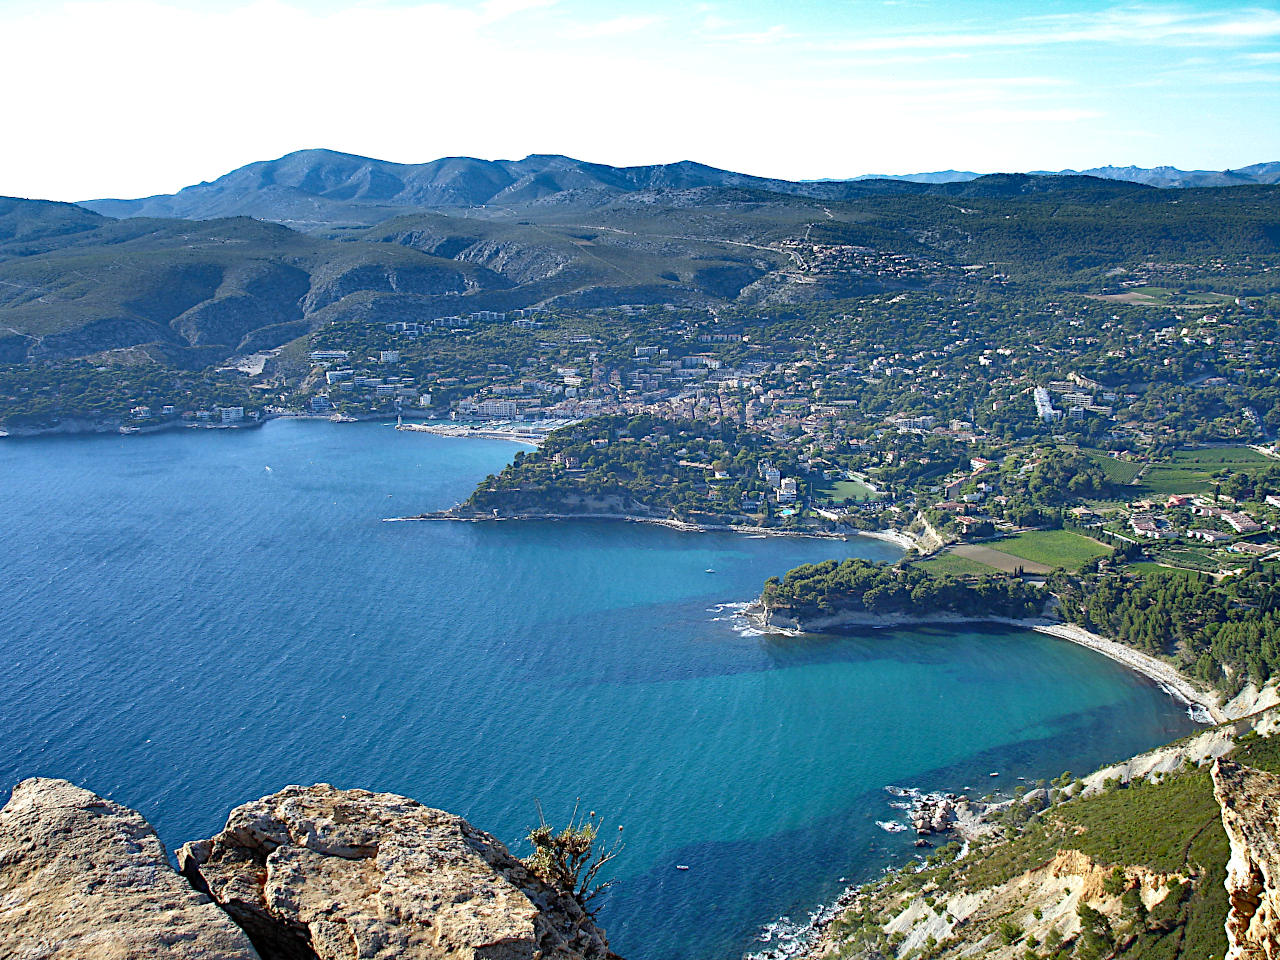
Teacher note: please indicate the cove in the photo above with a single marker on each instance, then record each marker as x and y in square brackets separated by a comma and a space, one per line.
[184, 629]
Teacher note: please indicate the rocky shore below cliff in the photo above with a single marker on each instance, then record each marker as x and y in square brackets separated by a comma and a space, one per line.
[1033, 893]
[309, 873]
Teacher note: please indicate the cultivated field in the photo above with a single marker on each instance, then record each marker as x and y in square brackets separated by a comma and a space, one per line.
[987, 556]
[1053, 548]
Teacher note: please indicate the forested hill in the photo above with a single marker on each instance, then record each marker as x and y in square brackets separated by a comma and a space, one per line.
[859, 586]
[191, 292]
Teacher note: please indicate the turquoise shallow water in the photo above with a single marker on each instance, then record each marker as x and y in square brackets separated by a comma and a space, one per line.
[184, 629]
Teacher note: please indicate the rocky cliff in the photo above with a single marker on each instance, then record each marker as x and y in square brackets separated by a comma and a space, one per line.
[309, 873]
[82, 877]
[345, 874]
[1250, 801]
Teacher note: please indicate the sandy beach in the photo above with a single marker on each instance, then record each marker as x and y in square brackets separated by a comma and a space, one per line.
[1157, 670]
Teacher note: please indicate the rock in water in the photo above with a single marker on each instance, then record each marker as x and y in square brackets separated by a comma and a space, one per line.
[82, 877]
[343, 874]
[1250, 801]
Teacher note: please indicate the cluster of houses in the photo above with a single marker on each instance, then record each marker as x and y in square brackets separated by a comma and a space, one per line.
[227, 416]
[1208, 519]
[785, 489]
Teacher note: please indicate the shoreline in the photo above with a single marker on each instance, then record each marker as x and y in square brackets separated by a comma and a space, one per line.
[1177, 685]
[1206, 707]
[456, 432]
[889, 536]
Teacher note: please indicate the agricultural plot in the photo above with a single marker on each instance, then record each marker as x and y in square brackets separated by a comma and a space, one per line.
[989, 557]
[1117, 471]
[956, 565]
[1053, 548]
[1191, 471]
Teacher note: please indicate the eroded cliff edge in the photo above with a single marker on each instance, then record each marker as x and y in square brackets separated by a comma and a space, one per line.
[83, 877]
[1250, 801]
[338, 874]
[309, 873]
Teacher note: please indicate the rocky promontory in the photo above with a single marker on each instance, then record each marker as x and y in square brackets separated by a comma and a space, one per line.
[309, 873]
[346, 874]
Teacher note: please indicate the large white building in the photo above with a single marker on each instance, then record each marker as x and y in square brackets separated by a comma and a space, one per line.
[499, 409]
[1044, 406]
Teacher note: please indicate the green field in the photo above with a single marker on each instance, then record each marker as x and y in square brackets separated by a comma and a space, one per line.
[1191, 471]
[954, 565]
[1199, 558]
[1146, 568]
[1117, 471]
[1053, 548]
[838, 490]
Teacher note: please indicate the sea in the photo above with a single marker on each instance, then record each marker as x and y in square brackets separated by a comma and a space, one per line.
[194, 619]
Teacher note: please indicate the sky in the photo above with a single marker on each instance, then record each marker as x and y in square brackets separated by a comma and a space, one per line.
[128, 98]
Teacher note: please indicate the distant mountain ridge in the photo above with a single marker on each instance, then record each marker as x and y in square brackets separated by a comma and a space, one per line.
[323, 188]
[1164, 177]
[318, 188]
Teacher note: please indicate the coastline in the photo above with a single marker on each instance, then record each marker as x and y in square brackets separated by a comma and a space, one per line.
[1176, 684]
[458, 432]
[80, 426]
[889, 536]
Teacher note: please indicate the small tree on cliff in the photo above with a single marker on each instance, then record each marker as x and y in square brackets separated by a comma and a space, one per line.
[570, 860]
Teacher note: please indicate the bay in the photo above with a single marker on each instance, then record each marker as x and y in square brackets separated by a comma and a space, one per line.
[192, 620]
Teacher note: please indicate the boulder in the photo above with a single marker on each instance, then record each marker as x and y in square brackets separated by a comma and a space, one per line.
[317, 872]
[82, 877]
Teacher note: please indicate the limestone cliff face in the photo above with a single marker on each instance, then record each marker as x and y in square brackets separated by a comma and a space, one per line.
[317, 872]
[82, 877]
[1250, 801]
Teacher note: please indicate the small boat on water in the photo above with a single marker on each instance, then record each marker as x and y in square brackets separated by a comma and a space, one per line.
[709, 570]
[682, 866]
[996, 774]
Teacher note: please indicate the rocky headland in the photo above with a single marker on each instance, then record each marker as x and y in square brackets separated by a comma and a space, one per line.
[309, 873]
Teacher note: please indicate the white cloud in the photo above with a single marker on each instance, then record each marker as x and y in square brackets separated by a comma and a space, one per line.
[1135, 26]
[617, 26]
[773, 34]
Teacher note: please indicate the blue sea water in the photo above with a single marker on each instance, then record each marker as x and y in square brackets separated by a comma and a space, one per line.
[195, 619]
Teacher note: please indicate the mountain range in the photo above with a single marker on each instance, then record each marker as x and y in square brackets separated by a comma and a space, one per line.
[313, 189]
[1162, 177]
[273, 250]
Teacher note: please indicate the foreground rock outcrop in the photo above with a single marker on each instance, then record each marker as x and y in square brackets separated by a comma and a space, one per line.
[317, 872]
[82, 877]
[1250, 801]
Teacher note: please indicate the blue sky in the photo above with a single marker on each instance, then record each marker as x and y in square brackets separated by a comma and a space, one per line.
[130, 97]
